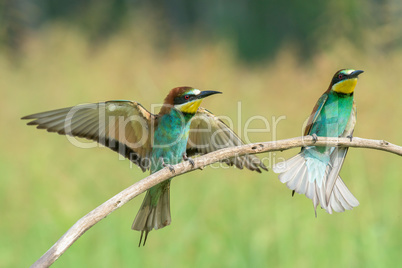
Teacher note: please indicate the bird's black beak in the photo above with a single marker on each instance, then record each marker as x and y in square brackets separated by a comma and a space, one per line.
[355, 73]
[207, 93]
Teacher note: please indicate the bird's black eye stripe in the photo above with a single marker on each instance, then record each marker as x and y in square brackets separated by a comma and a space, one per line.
[339, 77]
[183, 99]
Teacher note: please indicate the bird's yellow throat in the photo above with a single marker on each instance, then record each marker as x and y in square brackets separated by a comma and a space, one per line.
[345, 87]
[190, 108]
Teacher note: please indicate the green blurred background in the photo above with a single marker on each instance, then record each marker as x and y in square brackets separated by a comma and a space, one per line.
[276, 57]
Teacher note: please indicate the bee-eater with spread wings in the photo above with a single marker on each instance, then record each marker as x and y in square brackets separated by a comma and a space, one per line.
[315, 170]
[152, 141]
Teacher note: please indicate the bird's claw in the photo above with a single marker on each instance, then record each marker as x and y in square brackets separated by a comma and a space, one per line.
[171, 168]
[191, 162]
[350, 137]
[185, 158]
[315, 138]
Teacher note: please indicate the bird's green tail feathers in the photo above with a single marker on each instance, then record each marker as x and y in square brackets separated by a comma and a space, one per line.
[153, 215]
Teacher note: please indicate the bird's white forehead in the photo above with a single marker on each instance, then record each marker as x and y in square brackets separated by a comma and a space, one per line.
[196, 91]
[348, 71]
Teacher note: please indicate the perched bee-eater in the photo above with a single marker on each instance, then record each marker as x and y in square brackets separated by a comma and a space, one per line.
[152, 141]
[315, 170]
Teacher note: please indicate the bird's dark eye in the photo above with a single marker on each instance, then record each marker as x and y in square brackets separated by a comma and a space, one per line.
[340, 76]
[186, 97]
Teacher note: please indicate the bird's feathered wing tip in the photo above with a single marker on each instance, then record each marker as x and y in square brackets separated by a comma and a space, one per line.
[294, 173]
[153, 217]
[209, 133]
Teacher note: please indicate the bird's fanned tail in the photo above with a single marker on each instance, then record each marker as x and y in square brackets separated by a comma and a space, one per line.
[295, 173]
[153, 216]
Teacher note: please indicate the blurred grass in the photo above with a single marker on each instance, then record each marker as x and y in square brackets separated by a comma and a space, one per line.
[221, 217]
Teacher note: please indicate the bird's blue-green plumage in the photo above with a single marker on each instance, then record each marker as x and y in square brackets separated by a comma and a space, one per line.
[331, 118]
[170, 143]
[333, 115]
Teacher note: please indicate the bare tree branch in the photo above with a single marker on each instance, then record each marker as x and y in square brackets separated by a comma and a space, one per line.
[93, 217]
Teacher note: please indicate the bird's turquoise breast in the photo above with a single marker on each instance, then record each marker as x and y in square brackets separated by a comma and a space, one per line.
[170, 139]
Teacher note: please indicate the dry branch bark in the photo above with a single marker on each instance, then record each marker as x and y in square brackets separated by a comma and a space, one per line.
[93, 217]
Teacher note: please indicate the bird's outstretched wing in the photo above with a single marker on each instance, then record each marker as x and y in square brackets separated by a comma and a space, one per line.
[123, 126]
[208, 133]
